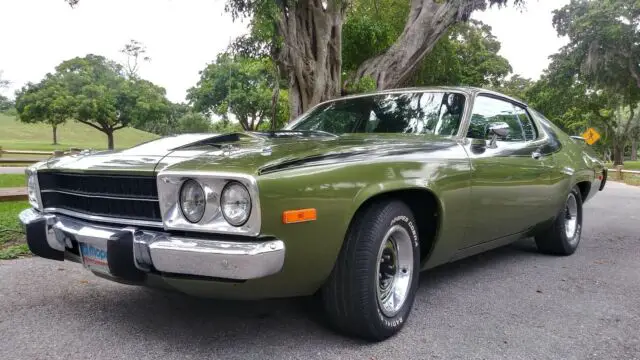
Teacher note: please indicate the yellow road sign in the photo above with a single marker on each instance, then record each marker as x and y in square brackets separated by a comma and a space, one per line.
[591, 136]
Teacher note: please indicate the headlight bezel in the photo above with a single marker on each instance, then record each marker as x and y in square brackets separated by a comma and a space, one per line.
[213, 221]
[35, 199]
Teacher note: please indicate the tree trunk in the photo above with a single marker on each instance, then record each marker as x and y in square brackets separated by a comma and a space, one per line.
[428, 20]
[312, 33]
[634, 149]
[55, 134]
[618, 154]
[109, 139]
[275, 96]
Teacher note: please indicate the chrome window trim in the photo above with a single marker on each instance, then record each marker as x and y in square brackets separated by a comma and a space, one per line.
[542, 135]
[104, 219]
[98, 196]
[169, 184]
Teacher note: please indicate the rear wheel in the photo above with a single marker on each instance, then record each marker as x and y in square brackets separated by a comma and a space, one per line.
[371, 290]
[563, 236]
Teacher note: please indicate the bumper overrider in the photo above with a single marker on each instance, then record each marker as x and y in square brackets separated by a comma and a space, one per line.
[129, 253]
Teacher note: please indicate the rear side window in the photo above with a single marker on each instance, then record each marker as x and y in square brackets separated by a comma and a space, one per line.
[528, 128]
[488, 110]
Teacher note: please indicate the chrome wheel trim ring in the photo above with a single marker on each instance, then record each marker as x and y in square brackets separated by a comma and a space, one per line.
[394, 270]
[571, 218]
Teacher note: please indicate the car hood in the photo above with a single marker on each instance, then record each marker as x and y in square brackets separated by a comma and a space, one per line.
[250, 153]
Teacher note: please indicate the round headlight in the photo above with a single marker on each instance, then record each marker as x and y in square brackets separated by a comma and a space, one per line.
[192, 201]
[236, 203]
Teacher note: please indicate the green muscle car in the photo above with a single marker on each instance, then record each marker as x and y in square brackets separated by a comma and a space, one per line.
[351, 202]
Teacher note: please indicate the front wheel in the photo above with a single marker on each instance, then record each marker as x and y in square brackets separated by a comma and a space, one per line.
[371, 290]
[563, 236]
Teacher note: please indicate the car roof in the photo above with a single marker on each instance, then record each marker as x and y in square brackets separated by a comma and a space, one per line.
[469, 90]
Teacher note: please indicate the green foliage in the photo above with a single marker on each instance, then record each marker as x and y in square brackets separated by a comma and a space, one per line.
[371, 27]
[363, 85]
[6, 104]
[594, 80]
[9, 223]
[48, 101]
[194, 123]
[263, 40]
[12, 241]
[466, 55]
[105, 99]
[163, 125]
[282, 113]
[516, 87]
[604, 42]
[226, 126]
[235, 85]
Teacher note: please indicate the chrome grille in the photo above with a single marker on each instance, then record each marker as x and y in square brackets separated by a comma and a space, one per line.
[116, 196]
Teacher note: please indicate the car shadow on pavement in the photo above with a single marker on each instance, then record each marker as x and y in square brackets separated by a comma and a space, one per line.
[183, 322]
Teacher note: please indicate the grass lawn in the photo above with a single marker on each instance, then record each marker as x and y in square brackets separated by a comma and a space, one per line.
[631, 165]
[15, 135]
[628, 165]
[630, 179]
[12, 180]
[12, 242]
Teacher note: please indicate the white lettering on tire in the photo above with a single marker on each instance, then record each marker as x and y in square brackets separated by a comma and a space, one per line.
[390, 323]
[414, 235]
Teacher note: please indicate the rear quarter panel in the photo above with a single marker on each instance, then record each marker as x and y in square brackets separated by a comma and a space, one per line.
[574, 163]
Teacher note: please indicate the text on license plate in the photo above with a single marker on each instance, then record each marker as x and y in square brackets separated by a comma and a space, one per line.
[94, 258]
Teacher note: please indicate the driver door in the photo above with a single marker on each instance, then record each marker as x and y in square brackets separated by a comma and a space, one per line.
[510, 180]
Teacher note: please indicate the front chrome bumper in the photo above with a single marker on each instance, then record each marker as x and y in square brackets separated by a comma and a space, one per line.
[129, 252]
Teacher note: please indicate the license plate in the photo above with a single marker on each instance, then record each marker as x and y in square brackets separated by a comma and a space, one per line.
[94, 258]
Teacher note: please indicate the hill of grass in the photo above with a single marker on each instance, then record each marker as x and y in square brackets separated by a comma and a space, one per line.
[15, 135]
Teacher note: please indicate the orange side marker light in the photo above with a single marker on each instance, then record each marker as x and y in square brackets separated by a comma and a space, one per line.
[296, 216]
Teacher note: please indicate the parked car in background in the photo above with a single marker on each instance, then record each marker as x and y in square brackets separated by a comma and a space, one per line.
[351, 202]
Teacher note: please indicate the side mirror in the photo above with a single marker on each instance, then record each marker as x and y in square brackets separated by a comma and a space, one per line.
[496, 129]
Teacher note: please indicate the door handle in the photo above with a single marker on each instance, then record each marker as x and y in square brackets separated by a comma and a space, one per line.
[536, 155]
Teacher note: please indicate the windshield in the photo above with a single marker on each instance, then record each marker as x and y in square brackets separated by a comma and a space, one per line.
[410, 113]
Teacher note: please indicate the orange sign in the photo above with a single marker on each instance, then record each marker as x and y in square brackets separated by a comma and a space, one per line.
[591, 136]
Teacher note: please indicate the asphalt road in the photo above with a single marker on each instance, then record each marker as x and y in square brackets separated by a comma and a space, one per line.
[511, 303]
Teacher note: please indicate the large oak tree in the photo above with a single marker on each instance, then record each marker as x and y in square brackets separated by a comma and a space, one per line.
[311, 32]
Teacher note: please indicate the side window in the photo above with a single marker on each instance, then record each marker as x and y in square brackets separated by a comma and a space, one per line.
[530, 131]
[487, 110]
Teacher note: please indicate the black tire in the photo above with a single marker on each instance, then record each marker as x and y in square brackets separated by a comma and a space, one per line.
[350, 294]
[554, 240]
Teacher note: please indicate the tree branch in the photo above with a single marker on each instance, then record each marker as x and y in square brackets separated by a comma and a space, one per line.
[92, 125]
